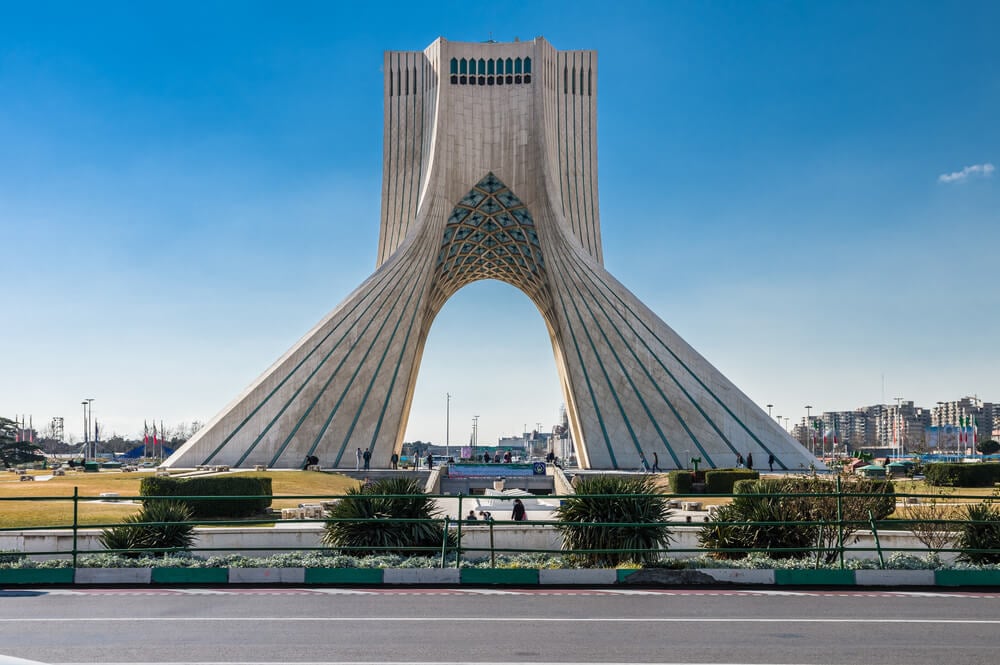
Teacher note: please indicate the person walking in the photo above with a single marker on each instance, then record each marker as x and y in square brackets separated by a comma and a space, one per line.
[750, 460]
[739, 461]
[430, 461]
[519, 514]
[367, 457]
[770, 461]
[394, 461]
[643, 464]
[357, 462]
[656, 463]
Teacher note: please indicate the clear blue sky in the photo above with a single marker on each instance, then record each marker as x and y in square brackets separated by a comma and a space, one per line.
[186, 188]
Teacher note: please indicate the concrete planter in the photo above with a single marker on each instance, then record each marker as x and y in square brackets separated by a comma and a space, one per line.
[190, 575]
[967, 577]
[894, 577]
[499, 576]
[651, 577]
[814, 577]
[266, 575]
[113, 576]
[37, 576]
[421, 576]
[343, 575]
[558, 576]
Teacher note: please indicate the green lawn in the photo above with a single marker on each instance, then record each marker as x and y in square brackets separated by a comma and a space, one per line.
[49, 511]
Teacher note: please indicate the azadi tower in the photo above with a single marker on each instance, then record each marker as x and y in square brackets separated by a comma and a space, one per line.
[490, 172]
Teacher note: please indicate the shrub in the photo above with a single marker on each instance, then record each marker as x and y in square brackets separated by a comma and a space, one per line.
[680, 481]
[738, 529]
[600, 499]
[949, 474]
[389, 516]
[721, 481]
[808, 506]
[174, 534]
[990, 447]
[979, 538]
[212, 486]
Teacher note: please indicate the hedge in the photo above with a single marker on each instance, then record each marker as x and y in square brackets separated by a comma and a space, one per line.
[951, 474]
[721, 481]
[680, 481]
[213, 486]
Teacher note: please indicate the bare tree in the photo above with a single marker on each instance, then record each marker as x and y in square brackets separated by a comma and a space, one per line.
[928, 520]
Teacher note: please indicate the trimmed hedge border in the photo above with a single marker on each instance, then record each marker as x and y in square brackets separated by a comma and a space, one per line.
[659, 577]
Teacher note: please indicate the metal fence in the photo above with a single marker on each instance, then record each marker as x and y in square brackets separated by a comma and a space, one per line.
[934, 515]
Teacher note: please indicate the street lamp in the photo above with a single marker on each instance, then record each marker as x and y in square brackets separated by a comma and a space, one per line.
[86, 437]
[900, 425]
[90, 417]
[769, 410]
[475, 433]
[812, 440]
[447, 425]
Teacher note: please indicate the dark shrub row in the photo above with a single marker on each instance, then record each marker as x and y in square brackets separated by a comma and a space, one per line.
[213, 486]
[717, 481]
[722, 481]
[949, 474]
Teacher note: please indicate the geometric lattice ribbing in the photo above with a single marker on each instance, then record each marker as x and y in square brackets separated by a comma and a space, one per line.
[490, 235]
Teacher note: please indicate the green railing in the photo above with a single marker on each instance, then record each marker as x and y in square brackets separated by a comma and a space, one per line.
[831, 541]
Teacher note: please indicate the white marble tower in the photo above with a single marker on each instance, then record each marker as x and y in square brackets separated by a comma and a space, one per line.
[490, 172]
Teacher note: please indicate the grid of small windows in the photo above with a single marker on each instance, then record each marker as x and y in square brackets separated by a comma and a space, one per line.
[490, 235]
[490, 71]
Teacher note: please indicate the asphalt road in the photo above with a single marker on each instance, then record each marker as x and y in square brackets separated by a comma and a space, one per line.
[390, 626]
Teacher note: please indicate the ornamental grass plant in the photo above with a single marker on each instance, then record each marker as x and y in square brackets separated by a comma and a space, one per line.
[637, 512]
[388, 516]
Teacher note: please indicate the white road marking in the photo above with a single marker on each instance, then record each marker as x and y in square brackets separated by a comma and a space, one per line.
[496, 619]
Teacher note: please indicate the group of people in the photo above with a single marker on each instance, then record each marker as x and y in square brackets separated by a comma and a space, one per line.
[506, 458]
[748, 462]
[644, 463]
[518, 514]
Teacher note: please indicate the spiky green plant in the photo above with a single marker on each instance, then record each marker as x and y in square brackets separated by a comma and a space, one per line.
[392, 515]
[742, 526]
[133, 535]
[979, 538]
[616, 499]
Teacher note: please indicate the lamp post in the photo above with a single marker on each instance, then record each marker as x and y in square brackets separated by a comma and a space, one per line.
[90, 418]
[769, 410]
[475, 433]
[898, 420]
[809, 429]
[86, 436]
[447, 425]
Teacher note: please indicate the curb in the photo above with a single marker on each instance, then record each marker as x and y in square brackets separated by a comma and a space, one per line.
[650, 577]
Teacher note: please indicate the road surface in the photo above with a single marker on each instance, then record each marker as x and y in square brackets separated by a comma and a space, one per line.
[449, 626]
